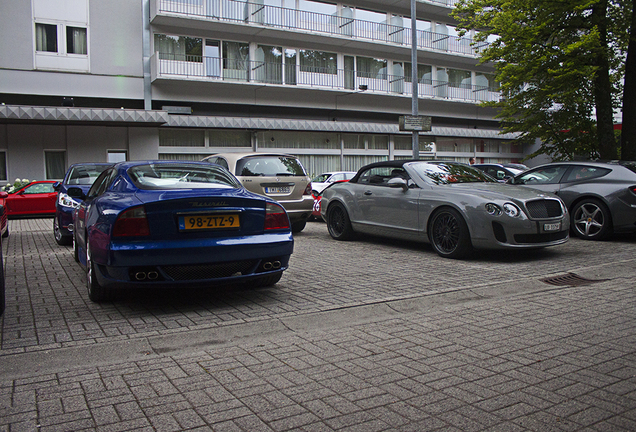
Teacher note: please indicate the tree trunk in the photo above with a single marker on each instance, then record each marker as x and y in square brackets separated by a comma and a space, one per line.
[628, 135]
[602, 88]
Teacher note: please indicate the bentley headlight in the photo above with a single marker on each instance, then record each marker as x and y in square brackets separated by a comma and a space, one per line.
[66, 201]
[511, 210]
[493, 209]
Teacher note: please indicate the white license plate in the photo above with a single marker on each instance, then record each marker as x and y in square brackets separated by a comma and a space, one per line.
[278, 190]
[552, 227]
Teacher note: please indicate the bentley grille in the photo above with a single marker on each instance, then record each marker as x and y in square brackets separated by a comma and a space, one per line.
[545, 208]
[210, 271]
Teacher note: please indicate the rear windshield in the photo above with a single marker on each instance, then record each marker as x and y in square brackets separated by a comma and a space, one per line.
[181, 176]
[446, 173]
[269, 166]
[85, 174]
[630, 166]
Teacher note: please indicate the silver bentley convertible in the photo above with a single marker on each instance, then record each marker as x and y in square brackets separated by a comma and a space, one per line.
[451, 205]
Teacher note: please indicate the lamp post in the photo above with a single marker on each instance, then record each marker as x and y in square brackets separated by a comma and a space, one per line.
[414, 79]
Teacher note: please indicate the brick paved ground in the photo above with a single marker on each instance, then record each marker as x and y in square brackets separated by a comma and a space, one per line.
[367, 335]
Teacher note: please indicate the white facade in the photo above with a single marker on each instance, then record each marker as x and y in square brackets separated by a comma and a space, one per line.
[88, 80]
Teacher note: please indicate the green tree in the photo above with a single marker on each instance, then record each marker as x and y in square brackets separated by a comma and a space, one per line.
[627, 22]
[560, 65]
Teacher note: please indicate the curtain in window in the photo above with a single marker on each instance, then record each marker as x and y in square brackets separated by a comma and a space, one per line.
[55, 162]
[268, 67]
[46, 37]
[76, 40]
[405, 142]
[179, 156]
[3, 166]
[371, 68]
[180, 48]
[353, 141]
[377, 142]
[459, 78]
[235, 60]
[230, 138]
[304, 140]
[169, 47]
[315, 165]
[354, 163]
[318, 61]
[424, 73]
[290, 67]
[181, 138]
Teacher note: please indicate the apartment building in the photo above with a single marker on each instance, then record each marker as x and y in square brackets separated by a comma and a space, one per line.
[90, 80]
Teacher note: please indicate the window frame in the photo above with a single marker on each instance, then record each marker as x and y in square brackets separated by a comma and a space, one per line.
[61, 38]
[47, 174]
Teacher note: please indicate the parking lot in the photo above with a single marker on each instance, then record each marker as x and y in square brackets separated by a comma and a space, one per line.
[366, 335]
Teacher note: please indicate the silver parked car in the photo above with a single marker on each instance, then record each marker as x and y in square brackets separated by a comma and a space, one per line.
[601, 197]
[451, 205]
[278, 176]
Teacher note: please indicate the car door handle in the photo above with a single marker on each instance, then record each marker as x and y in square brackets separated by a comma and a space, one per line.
[368, 193]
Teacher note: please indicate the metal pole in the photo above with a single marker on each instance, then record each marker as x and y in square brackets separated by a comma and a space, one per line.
[414, 78]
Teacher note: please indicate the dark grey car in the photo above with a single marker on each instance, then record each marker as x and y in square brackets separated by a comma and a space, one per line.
[601, 197]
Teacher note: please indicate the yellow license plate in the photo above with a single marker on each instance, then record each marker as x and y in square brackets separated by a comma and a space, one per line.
[206, 222]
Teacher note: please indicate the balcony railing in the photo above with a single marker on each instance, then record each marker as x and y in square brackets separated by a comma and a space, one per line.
[232, 70]
[283, 18]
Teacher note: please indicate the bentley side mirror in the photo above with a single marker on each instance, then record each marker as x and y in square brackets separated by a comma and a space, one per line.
[398, 183]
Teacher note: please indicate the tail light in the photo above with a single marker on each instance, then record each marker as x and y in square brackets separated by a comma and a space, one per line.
[307, 189]
[633, 189]
[275, 217]
[131, 223]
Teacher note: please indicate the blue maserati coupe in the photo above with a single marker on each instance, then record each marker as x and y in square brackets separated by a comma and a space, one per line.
[81, 175]
[176, 223]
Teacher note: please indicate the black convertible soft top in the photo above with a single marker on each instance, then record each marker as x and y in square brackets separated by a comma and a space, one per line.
[398, 163]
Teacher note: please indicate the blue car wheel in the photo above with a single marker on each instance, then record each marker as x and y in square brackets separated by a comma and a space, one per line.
[60, 238]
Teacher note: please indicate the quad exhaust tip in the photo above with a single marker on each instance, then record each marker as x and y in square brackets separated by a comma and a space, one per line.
[271, 265]
[151, 275]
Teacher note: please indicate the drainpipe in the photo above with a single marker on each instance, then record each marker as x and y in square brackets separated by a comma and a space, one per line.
[145, 13]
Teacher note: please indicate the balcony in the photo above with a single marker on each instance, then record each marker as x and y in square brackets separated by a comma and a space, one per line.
[246, 72]
[274, 17]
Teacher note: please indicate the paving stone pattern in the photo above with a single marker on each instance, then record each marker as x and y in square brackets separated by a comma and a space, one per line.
[508, 358]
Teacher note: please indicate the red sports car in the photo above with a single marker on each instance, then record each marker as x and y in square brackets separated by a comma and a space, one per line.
[35, 199]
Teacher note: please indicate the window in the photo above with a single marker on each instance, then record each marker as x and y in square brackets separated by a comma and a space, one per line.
[235, 55]
[378, 176]
[117, 156]
[578, 173]
[371, 67]
[318, 61]
[55, 162]
[459, 78]
[229, 138]
[546, 175]
[424, 73]
[76, 40]
[46, 37]
[405, 142]
[180, 48]
[181, 138]
[269, 66]
[3, 166]
[39, 188]
[486, 81]
[102, 182]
